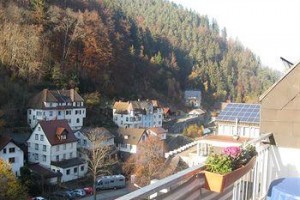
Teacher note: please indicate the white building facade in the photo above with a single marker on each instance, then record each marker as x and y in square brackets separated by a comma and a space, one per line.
[56, 105]
[137, 114]
[12, 154]
[239, 119]
[54, 146]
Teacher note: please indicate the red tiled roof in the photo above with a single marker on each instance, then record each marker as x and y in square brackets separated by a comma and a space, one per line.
[51, 128]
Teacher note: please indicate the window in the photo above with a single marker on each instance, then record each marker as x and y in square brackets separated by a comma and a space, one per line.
[69, 121]
[57, 158]
[36, 146]
[121, 122]
[77, 120]
[84, 142]
[44, 158]
[126, 119]
[39, 128]
[51, 113]
[30, 121]
[68, 172]
[29, 111]
[75, 169]
[12, 150]
[64, 156]
[50, 104]
[82, 168]
[159, 116]
[33, 117]
[42, 137]
[68, 112]
[4, 150]
[11, 160]
[65, 146]
[44, 148]
[36, 156]
[71, 155]
[57, 148]
[36, 136]
[71, 145]
[59, 112]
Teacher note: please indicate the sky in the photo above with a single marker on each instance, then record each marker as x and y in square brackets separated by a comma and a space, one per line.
[269, 28]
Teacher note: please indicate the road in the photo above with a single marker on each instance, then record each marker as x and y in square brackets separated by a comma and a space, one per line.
[109, 194]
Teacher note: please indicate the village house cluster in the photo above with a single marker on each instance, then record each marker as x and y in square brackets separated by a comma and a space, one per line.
[56, 119]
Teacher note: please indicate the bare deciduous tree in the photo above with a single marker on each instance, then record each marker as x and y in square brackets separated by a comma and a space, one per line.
[98, 154]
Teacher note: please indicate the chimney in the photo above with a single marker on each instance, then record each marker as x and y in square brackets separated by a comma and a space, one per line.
[72, 94]
[45, 92]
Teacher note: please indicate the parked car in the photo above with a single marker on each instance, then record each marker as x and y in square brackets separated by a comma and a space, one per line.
[88, 190]
[62, 195]
[38, 198]
[110, 182]
[79, 192]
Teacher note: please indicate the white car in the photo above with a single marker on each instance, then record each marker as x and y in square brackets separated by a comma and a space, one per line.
[38, 198]
[79, 192]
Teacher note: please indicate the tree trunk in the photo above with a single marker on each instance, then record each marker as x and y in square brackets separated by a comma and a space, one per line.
[94, 187]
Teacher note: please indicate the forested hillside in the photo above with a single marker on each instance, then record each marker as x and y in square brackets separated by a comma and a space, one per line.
[123, 49]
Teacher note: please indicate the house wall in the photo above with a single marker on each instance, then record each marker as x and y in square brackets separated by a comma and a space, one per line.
[43, 155]
[280, 110]
[244, 130]
[74, 115]
[36, 150]
[128, 148]
[71, 173]
[18, 156]
[64, 151]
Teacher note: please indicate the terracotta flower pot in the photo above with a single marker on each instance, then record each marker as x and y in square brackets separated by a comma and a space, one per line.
[217, 182]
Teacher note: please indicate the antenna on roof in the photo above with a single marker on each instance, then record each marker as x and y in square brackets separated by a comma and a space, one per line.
[286, 63]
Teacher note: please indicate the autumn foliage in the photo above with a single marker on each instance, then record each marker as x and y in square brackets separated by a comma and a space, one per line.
[10, 187]
[145, 164]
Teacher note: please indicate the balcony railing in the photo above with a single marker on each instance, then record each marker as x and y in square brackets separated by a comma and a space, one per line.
[188, 184]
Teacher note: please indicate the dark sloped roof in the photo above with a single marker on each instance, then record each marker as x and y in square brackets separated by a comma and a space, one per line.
[68, 163]
[192, 93]
[133, 135]
[245, 113]
[51, 128]
[56, 96]
[4, 140]
[42, 171]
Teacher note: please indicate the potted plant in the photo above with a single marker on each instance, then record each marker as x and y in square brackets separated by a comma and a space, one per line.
[224, 169]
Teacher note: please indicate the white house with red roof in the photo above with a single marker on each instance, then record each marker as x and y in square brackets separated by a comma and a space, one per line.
[55, 105]
[12, 153]
[53, 145]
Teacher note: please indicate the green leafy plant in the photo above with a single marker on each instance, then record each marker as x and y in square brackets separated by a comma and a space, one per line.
[231, 159]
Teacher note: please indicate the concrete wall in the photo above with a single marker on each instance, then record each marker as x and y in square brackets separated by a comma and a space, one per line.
[280, 110]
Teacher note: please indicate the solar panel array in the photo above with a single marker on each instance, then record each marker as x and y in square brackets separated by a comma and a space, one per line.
[247, 113]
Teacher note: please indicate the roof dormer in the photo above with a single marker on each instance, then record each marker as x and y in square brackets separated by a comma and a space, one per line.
[61, 133]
